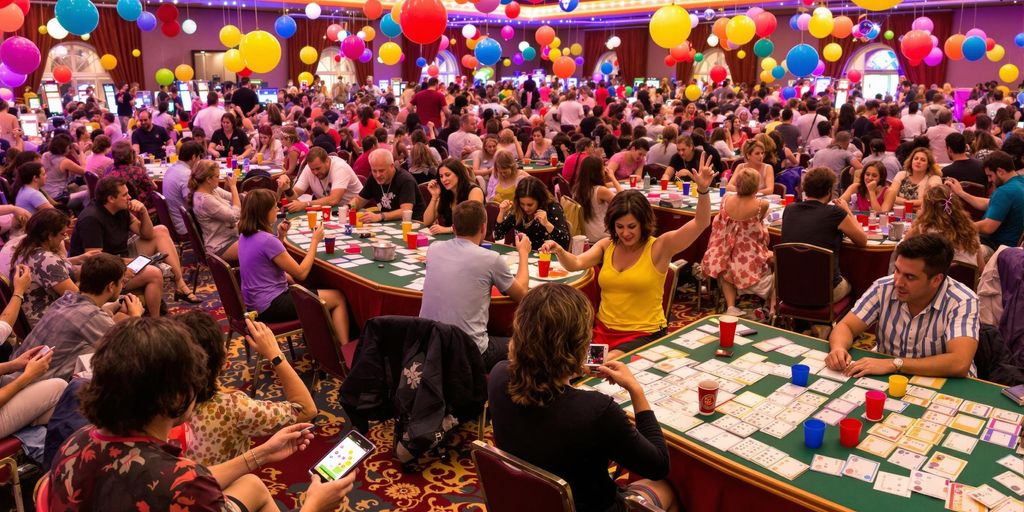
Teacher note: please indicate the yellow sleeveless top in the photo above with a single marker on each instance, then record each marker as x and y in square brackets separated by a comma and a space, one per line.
[631, 300]
[504, 193]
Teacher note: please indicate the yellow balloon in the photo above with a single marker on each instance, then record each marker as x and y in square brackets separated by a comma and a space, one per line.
[108, 61]
[576, 49]
[390, 53]
[451, 42]
[85, 37]
[369, 33]
[184, 72]
[471, 43]
[42, 29]
[670, 26]
[306, 76]
[692, 92]
[1008, 73]
[741, 54]
[1005, 90]
[261, 51]
[556, 43]
[821, 26]
[996, 53]
[396, 12]
[832, 52]
[766, 76]
[307, 55]
[233, 60]
[740, 29]
[506, 63]
[230, 36]
[554, 54]
[877, 5]
[136, 52]
[768, 63]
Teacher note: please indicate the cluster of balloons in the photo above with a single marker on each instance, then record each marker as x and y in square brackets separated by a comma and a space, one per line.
[820, 24]
[420, 21]
[12, 16]
[18, 58]
[613, 42]
[168, 15]
[256, 52]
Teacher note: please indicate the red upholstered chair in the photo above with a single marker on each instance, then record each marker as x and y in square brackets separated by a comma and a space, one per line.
[163, 213]
[671, 278]
[346, 156]
[492, 220]
[441, 147]
[321, 338]
[965, 273]
[803, 283]
[195, 240]
[655, 171]
[511, 484]
[425, 193]
[10, 447]
[779, 190]
[561, 186]
[975, 190]
[91, 180]
[21, 326]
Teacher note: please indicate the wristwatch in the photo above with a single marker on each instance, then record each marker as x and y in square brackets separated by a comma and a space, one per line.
[278, 359]
[898, 363]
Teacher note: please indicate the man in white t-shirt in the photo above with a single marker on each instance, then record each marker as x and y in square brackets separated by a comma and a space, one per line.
[570, 111]
[914, 123]
[328, 179]
[209, 118]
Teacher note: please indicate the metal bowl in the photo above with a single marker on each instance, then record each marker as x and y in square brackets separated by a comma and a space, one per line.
[383, 251]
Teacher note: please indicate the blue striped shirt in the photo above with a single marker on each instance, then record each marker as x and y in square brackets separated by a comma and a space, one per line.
[952, 313]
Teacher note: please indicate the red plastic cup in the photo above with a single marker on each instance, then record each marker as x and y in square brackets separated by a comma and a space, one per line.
[410, 241]
[632, 181]
[284, 202]
[353, 249]
[329, 244]
[554, 160]
[875, 404]
[543, 268]
[664, 184]
[790, 199]
[326, 213]
[909, 208]
[707, 396]
[352, 216]
[726, 330]
[849, 432]
[862, 219]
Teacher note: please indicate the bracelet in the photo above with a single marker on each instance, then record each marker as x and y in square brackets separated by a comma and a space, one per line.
[21, 297]
[704, 193]
[254, 459]
[246, 459]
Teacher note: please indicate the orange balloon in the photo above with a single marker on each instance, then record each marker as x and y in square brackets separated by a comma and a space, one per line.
[373, 9]
[564, 67]
[842, 28]
[469, 61]
[545, 35]
[719, 28]
[680, 52]
[954, 47]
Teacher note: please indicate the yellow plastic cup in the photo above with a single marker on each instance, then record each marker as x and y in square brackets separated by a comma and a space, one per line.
[173, 157]
[311, 216]
[544, 256]
[406, 228]
[259, 158]
[897, 386]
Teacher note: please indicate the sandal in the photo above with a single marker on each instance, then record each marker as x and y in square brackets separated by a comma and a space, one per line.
[186, 296]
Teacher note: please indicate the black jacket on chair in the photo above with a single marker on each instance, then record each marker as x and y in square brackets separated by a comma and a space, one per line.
[428, 375]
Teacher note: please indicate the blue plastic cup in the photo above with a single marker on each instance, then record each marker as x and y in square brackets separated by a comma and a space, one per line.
[686, 188]
[486, 245]
[800, 373]
[721, 192]
[814, 433]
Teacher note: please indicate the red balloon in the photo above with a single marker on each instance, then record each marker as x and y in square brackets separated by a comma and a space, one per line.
[469, 61]
[245, 72]
[423, 21]
[916, 44]
[545, 35]
[765, 23]
[171, 28]
[372, 9]
[332, 32]
[669, 61]
[433, 70]
[167, 12]
[23, 4]
[511, 10]
[718, 74]
[989, 44]
[5, 3]
[680, 52]
[854, 76]
[337, 58]
[62, 74]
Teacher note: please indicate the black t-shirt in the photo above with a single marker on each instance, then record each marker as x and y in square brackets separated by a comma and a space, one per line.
[124, 104]
[817, 224]
[151, 141]
[245, 98]
[587, 125]
[403, 189]
[677, 162]
[861, 126]
[967, 169]
[325, 141]
[237, 142]
[97, 227]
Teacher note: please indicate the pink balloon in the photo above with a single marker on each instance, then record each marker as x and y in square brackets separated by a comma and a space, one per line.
[507, 32]
[442, 44]
[352, 47]
[976, 32]
[486, 6]
[333, 30]
[935, 40]
[934, 57]
[803, 20]
[754, 11]
[819, 69]
[923, 23]
[6, 94]
[20, 54]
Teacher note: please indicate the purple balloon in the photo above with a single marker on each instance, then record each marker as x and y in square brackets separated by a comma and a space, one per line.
[923, 23]
[976, 32]
[146, 22]
[11, 78]
[517, 59]
[819, 69]
[366, 56]
[803, 20]
[597, 77]
[934, 57]
[352, 47]
[20, 55]
[579, 61]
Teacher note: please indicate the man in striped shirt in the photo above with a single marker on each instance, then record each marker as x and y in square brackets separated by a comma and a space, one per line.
[926, 320]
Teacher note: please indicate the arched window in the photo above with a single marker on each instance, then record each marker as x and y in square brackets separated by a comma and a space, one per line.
[447, 68]
[879, 67]
[84, 63]
[609, 57]
[712, 57]
[331, 71]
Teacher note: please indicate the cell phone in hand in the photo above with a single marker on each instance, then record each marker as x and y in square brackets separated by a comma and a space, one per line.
[597, 353]
[344, 457]
[42, 353]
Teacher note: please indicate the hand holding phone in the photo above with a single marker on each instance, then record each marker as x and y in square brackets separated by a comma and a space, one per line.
[139, 263]
[597, 353]
[343, 458]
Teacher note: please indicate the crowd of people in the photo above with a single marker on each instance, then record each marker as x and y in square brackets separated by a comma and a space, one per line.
[83, 205]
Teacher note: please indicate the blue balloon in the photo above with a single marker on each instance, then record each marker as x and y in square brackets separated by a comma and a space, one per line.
[77, 16]
[803, 58]
[488, 52]
[974, 48]
[793, 22]
[788, 92]
[778, 72]
[528, 54]
[506, 2]
[611, 92]
[568, 5]
[285, 26]
[388, 26]
[1020, 98]
[421, 62]
[1019, 40]
[129, 10]
[606, 68]
[146, 22]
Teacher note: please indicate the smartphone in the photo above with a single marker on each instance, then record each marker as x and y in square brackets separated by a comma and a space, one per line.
[352, 449]
[596, 355]
[745, 331]
[139, 263]
[42, 353]
[723, 352]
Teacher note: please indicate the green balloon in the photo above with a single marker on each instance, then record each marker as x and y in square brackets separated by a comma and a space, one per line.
[629, 90]
[889, 35]
[164, 76]
[698, 57]
[764, 47]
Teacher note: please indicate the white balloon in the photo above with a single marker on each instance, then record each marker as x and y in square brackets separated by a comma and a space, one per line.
[59, 52]
[712, 40]
[85, 37]
[709, 14]
[312, 10]
[188, 26]
[615, 41]
[468, 31]
[694, 20]
[54, 28]
[361, 34]
[523, 45]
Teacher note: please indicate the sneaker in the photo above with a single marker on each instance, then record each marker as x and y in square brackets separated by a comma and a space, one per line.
[735, 311]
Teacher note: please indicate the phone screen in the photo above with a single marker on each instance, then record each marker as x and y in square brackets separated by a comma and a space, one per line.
[340, 460]
[138, 264]
[596, 355]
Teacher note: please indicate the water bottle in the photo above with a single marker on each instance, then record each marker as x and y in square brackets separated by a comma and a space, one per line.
[853, 202]
[647, 181]
[245, 167]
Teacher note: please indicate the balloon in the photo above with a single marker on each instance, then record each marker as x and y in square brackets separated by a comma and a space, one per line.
[189, 26]
[954, 47]
[517, 59]
[136, 53]
[1019, 40]
[389, 27]
[233, 60]
[694, 20]
[764, 47]
[129, 10]
[230, 36]
[469, 61]
[740, 29]
[442, 44]
[390, 53]
[820, 25]
[709, 14]
[854, 76]
[568, 5]
[529, 53]
[803, 21]
[692, 92]
[420, 62]
[794, 22]
[544, 35]
[332, 32]
[23, 4]
[488, 52]
[564, 67]
[973, 48]
[512, 10]
[308, 55]
[877, 5]
[306, 76]
[352, 47]
[261, 51]
[554, 54]
[832, 52]
[819, 69]
[167, 13]
[11, 18]
[768, 63]
[713, 40]
[934, 57]
[680, 52]
[923, 23]
[778, 72]
[842, 27]
[373, 9]
[788, 92]
[20, 55]
[576, 49]
[184, 72]
[989, 44]
[765, 23]
[171, 28]
[742, 54]
[977, 32]
[556, 43]
[55, 30]
[108, 61]
[424, 20]
[164, 76]
[718, 29]
[312, 10]
[670, 26]
[614, 42]
[669, 61]
[996, 54]
[579, 61]
[468, 31]
[802, 59]
[146, 21]
[507, 32]
[77, 16]
[396, 11]
[10, 78]
[486, 6]
[888, 35]
[367, 56]
[471, 43]
[7, 94]
[697, 57]
[607, 68]
[42, 30]
[916, 45]
[433, 70]
[718, 73]
[62, 74]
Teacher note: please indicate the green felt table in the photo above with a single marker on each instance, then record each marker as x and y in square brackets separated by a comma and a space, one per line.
[545, 172]
[815, 490]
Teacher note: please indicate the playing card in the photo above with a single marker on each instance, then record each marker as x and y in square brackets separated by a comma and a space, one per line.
[1009, 505]
[1007, 416]
[829, 373]
[671, 365]
[969, 424]
[768, 457]
[651, 355]
[919, 392]
[827, 465]
[748, 448]
[942, 409]
[791, 416]
[812, 399]
[959, 442]
[1014, 463]
[860, 468]
[914, 445]
[791, 389]
[792, 350]
[944, 399]
[891, 404]
[958, 500]
[825, 386]
[1004, 426]
[639, 364]
[986, 495]
[778, 429]
[885, 432]
[829, 416]
[931, 382]
[975, 408]
[929, 484]
[936, 417]
[907, 459]
[870, 383]
[841, 406]
[733, 409]
[910, 399]
[893, 484]
[898, 421]
[724, 441]
[1011, 481]
[944, 465]
[646, 377]
[925, 436]
[748, 398]
[876, 446]
[999, 438]
[789, 467]
[767, 408]
[930, 426]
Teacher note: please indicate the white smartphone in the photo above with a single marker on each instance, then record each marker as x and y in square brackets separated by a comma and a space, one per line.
[596, 355]
[345, 456]
[42, 353]
[139, 263]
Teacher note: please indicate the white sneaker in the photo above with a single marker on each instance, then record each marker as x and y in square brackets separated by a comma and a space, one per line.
[735, 311]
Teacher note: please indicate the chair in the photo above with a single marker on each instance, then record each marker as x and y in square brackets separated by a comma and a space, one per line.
[655, 171]
[163, 212]
[966, 273]
[805, 160]
[671, 278]
[974, 189]
[425, 193]
[492, 220]
[10, 447]
[8, 192]
[511, 484]
[779, 190]
[362, 179]
[559, 182]
[441, 147]
[91, 180]
[231, 298]
[346, 156]
[803, 283]
[21, 326]
[195, 240]
[321, 338]
[255, 182]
